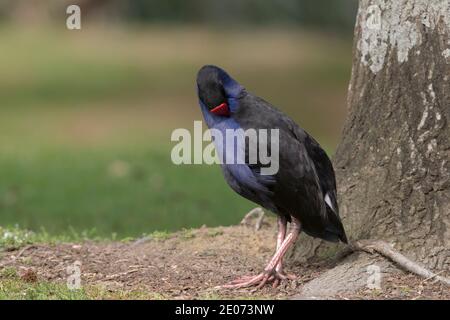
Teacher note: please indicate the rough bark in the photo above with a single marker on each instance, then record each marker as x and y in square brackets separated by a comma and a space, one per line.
[393, 163]
[349, 276]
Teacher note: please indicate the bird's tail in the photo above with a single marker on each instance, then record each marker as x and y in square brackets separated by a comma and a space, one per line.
[334, 228]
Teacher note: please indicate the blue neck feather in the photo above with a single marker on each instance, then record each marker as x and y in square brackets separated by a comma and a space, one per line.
[241, 173]
[232, 90]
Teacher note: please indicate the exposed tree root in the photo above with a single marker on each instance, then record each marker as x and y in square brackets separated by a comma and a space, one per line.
[386, 250]
[370, 246]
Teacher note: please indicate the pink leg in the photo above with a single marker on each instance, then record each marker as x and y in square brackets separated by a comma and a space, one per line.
[282, 222]
[270, 272]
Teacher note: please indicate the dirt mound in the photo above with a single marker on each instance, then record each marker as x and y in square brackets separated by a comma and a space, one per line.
[189, 264]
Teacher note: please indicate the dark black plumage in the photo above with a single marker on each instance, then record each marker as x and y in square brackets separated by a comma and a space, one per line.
[305, 185]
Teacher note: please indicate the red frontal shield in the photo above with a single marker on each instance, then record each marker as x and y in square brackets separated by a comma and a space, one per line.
[221, 110]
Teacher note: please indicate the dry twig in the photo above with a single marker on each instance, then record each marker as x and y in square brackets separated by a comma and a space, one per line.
[254, 212]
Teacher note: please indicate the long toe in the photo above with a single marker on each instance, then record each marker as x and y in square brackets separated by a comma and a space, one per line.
[243, 282]
[259, 280]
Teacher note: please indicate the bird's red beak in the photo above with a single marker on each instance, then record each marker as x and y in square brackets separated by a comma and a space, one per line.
[221, 110]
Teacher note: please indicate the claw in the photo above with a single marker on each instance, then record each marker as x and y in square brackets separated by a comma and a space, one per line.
[286, 276]
[291, 276]
[276, 283]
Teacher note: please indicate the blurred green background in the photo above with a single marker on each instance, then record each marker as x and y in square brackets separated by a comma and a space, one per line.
[86, 115]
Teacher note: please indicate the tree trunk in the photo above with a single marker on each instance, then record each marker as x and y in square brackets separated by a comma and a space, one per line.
[393, 163]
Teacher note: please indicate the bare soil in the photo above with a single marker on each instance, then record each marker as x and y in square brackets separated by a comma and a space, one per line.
[189, 264]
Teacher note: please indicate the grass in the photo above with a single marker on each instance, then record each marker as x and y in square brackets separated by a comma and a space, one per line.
[127, 192]
[85, 122]
[12, 238]
[13, 288]
[16, 289]
[20, 290]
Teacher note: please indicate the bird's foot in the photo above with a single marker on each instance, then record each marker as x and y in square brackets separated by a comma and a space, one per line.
[268, 276]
